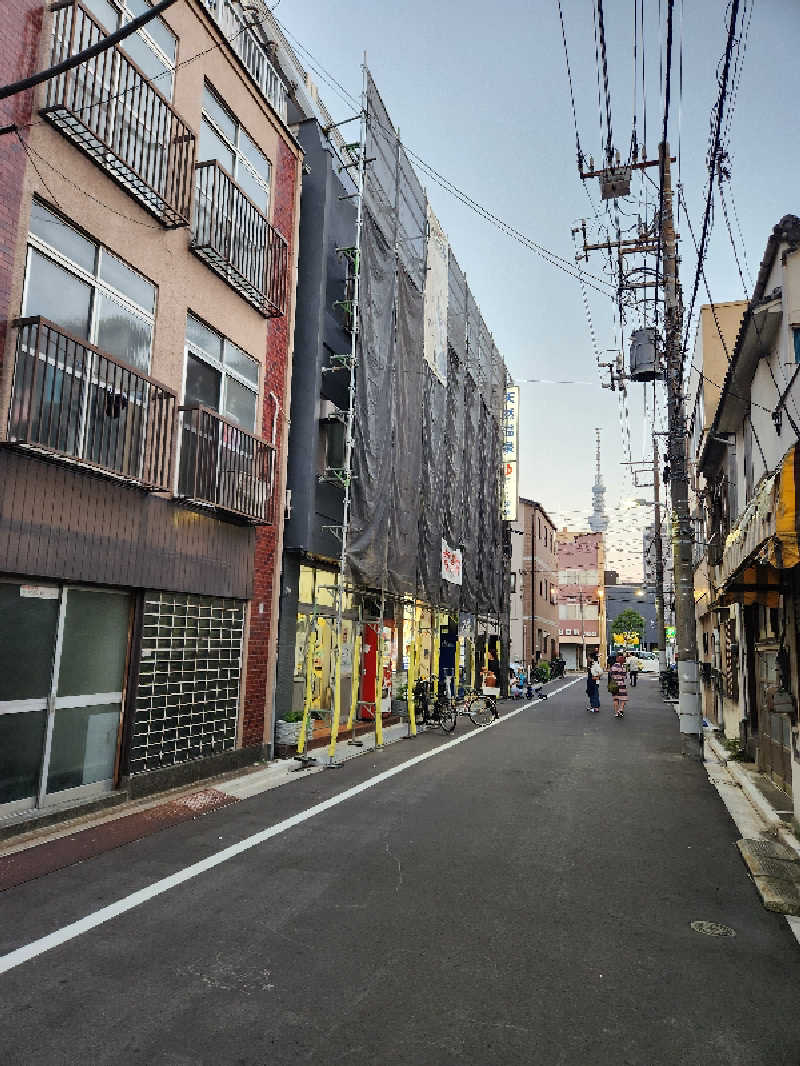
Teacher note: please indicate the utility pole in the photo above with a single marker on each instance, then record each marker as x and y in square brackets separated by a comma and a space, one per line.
[660, 631]
[612, 186]
[689, 712]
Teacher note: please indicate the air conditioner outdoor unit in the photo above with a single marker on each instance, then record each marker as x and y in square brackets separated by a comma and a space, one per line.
[327, 410]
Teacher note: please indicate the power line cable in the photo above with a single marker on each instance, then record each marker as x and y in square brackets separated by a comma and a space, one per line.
[553, 258]
[609, 134]
[86, 54]
[720, 107]
[571, 90]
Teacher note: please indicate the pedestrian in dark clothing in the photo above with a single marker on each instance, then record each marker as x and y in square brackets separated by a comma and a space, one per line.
[593, 672]
[634, 666]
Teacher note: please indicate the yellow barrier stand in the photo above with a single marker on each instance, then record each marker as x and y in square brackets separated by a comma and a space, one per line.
[337, 696]
[472, 665]
[435, 661]
[455, 669]
[310, 647]
[379, 686]
[356, 682]
[412, 669]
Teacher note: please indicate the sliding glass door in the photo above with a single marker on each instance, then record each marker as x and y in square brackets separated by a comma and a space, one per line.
[63, 657]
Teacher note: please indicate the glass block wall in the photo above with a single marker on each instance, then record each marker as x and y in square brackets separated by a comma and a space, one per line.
[187, 699]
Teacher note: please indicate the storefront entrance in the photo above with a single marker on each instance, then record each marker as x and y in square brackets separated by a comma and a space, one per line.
[63, 654]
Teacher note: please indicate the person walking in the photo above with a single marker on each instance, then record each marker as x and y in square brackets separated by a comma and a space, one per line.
[617, 686]
[593, 674]
[634, 666]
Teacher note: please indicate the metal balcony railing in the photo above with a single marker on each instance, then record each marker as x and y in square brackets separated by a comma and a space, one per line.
[235, 238]
[223, 465]
[108, 108]
[251, 51]
[73, 400]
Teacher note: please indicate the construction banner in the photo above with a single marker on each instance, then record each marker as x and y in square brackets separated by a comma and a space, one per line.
[436, 293]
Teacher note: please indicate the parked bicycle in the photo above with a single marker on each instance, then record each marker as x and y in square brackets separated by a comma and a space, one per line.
[557, 668]
[669, 683]
[480, 708]
[444, 711]
[439, 711]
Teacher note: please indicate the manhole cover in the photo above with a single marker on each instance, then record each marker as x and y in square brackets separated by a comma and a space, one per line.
[712, 929]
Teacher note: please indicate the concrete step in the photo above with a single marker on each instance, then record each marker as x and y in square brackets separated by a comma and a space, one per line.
[776, 873]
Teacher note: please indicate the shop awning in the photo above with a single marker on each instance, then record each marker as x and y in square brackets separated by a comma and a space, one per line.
[754, 584]
[768, 532]
[784, 550]
[765, 540]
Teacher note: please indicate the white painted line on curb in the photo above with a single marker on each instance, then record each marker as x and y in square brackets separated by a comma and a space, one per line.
[157, 888]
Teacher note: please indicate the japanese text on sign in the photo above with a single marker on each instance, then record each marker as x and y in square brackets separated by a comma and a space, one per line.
[511, 423]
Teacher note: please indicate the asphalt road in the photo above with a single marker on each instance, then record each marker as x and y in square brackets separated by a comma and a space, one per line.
[522, 897]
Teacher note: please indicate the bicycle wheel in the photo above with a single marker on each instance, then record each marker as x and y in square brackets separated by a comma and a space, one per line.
[482, 710]
[447, 716]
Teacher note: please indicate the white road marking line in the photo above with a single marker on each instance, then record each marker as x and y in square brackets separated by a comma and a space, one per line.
[157, 888]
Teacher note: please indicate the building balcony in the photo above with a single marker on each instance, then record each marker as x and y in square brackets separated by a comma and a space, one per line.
[225, 467]
[74, 401]
[252, 52]
[236, 240]
[109, 110]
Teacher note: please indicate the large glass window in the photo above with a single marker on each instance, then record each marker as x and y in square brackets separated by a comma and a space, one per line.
[153, 48]
[87, 290]
[66, 397]
[222, 138]
[220, 375]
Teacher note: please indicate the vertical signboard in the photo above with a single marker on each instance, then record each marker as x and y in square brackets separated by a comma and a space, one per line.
[510, 490]
[510, 453]
[511, 424]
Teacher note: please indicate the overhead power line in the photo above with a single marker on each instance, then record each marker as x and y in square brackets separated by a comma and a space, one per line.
[88, 53]
[553, 258]
[712, 166]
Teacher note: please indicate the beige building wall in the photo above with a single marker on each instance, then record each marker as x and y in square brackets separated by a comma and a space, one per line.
[79, 189]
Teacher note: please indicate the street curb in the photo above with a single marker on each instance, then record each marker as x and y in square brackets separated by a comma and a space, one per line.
[758, 801]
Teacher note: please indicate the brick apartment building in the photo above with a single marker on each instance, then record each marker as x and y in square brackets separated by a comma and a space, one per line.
[534, 581]
[581, 598]
[148, 236]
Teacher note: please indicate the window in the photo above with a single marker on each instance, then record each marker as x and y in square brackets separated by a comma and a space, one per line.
[87, 290]
[153, 48]
[219, 375]
[335, 444]
[513, 582]
[796, 336]
[540, 588]
[222, 138]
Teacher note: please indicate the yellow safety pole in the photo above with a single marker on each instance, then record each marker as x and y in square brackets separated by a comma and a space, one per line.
[356, 682]
[435, 660]
[455, 669]
[472, 664]
[337, 695]
[310, 647]
[412, 670]
[379, 684]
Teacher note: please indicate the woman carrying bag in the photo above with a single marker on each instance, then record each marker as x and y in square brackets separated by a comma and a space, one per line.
[617, 686]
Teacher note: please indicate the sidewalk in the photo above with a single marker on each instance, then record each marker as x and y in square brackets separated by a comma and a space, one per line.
[763, 815]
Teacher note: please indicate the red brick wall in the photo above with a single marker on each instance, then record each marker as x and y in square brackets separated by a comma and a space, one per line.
[260, 648]
[19, 49]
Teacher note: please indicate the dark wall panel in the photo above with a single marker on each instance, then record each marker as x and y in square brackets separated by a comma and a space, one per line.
[60, 522]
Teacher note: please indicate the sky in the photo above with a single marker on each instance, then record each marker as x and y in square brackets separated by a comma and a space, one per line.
[481, 93]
